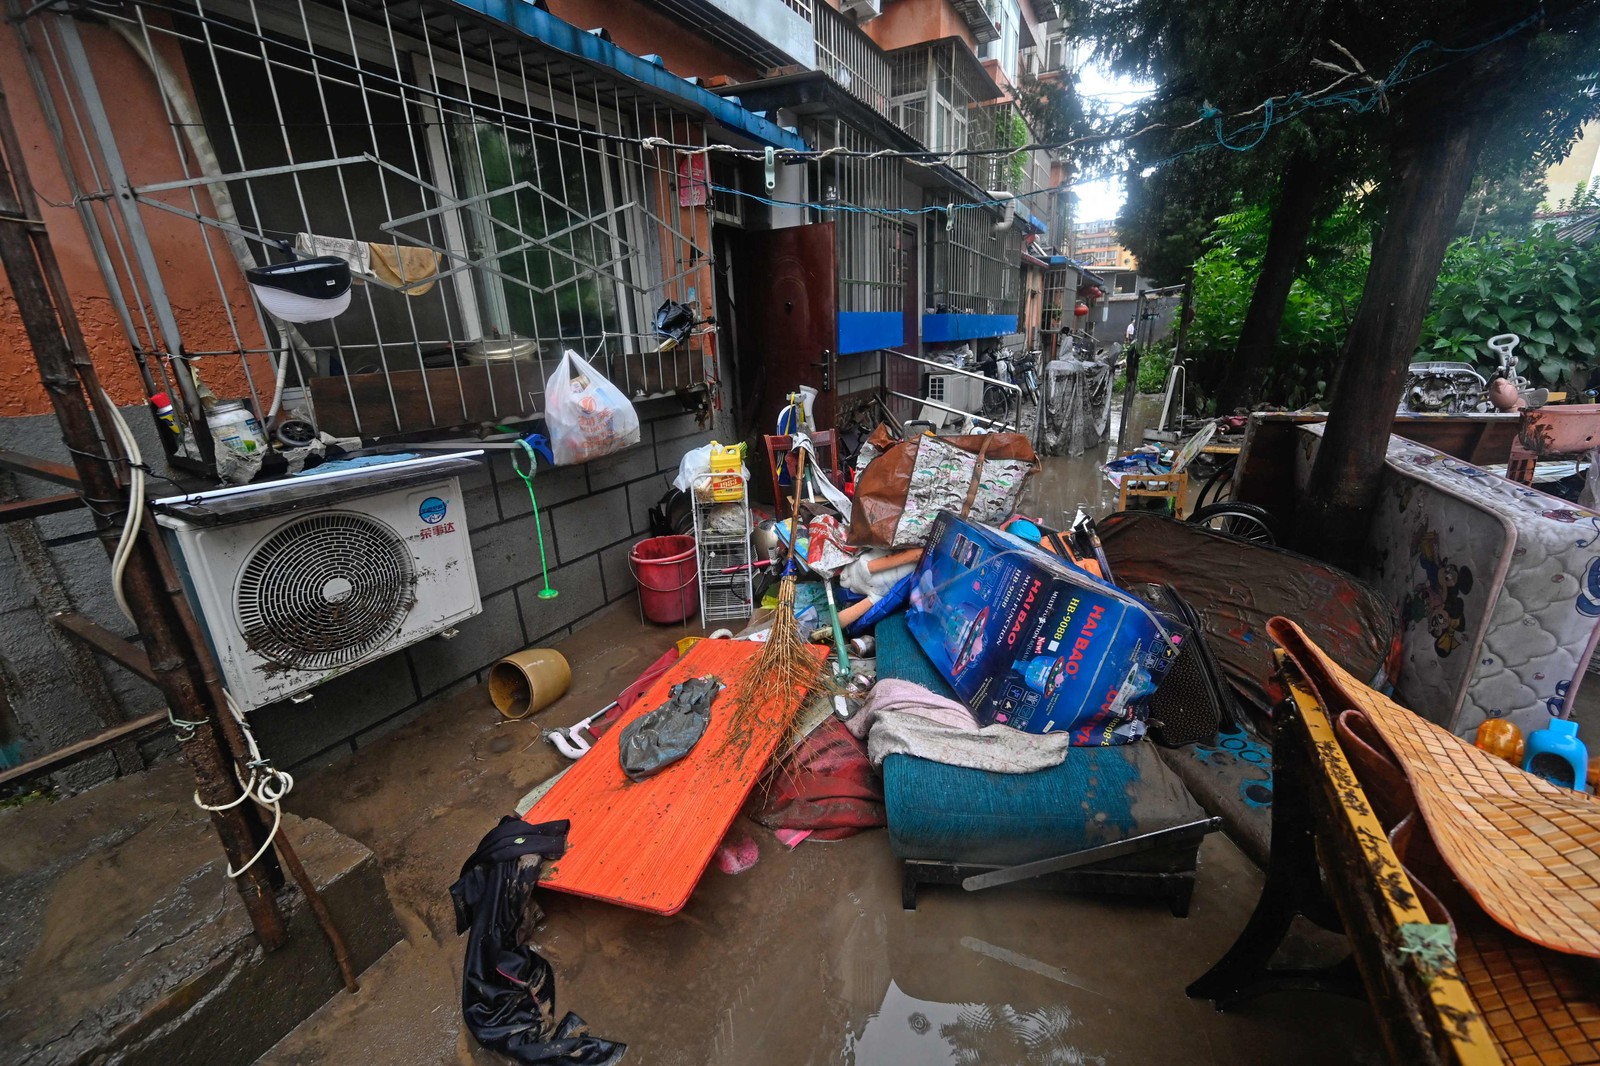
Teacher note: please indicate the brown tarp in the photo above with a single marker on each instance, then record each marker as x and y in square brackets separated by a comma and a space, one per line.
[1236, 586]
[883, 487]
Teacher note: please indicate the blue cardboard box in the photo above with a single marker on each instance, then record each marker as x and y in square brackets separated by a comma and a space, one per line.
[1027, 639]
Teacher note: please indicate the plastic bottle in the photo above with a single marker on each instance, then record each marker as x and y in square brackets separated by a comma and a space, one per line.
[163, 405]
[1556, 754]
[233, 426]
[726, 463]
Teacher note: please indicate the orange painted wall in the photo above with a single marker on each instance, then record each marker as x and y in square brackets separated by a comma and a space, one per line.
[644, 31]
[908, 22]
[134, 104]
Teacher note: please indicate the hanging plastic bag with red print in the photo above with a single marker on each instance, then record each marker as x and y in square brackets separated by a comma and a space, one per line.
[586, 415]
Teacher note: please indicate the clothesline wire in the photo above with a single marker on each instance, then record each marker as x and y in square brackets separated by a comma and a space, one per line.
[1358, 101]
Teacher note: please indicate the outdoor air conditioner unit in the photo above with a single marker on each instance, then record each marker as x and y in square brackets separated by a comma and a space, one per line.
[862, 9]
[955, 390]
[303, 582]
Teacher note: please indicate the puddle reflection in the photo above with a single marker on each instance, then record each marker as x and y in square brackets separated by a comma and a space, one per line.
[917, 1031]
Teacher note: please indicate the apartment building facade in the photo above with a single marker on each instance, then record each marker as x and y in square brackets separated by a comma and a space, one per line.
[1095, 242]
[561, 173]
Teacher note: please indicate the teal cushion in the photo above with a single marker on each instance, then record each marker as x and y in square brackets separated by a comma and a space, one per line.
[1097, 795]
[901, 657]
[953, 814]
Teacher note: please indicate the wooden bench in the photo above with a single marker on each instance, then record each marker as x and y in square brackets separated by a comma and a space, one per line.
[1323, 821]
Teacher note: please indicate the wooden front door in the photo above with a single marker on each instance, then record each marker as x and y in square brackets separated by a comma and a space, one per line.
[789, 320]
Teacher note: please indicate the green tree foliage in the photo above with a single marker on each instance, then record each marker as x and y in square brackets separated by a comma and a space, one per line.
[1213, 58]
[1016, 135]
[1316, 313]
[1547, 291]
[1169, 211]
[1585, 198]
[1053, 109]
[1155, 362]
[1503, 199]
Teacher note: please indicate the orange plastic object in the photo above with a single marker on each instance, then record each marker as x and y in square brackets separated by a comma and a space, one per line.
[645, 844]
[1501, 738]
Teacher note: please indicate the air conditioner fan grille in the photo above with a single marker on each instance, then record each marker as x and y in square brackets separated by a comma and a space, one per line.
[325, 590]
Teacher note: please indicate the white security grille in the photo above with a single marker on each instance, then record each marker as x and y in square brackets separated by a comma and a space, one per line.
[416, 125]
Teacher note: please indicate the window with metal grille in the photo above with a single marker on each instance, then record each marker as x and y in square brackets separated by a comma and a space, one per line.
[934, 88]
[513, 174]
[974, 262]
[868, 242]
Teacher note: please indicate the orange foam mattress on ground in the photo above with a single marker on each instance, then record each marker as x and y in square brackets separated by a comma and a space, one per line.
[646, 843]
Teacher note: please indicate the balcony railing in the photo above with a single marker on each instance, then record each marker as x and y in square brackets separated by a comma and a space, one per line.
[851, 58]
[1030, 62]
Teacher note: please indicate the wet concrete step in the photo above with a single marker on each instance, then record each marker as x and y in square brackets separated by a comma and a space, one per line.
[122, 940]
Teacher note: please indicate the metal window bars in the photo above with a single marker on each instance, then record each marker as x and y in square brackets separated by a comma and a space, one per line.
[414, 126]
[974, 262]
[868, 243]
[852, 59]
[1059, 304]
[1000, 125]
[934, 88]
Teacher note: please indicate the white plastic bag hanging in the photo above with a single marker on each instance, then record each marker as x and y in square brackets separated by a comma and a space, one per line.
[585, 414]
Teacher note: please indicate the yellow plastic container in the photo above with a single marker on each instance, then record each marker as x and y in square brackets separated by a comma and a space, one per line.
[727, 460]
[528, 681]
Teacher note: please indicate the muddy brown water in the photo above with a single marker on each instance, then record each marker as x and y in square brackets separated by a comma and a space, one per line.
[805, 959]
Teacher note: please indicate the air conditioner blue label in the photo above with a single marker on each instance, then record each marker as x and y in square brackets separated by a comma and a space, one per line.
[432, 510]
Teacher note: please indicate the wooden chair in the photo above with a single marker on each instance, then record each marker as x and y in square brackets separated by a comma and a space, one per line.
[826, 445]
[1173, 485]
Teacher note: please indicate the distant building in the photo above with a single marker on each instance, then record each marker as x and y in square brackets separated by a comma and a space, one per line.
[1579, 167]
[1095, 243]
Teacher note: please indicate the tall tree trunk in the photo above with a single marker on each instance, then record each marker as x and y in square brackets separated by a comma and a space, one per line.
[1431, 169]
[1302, 186]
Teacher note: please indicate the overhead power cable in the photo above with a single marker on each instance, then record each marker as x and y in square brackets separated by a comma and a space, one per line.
[1275, 110]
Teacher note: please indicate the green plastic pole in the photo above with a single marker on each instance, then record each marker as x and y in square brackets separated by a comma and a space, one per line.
[546, 593]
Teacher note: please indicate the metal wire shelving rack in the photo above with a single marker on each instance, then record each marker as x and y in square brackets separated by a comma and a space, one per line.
[722, 544]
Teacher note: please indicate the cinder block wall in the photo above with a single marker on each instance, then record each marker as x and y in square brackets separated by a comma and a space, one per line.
[57, 692]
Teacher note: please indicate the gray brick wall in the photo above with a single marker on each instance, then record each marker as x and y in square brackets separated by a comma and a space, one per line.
[592, 515]
[859, 373]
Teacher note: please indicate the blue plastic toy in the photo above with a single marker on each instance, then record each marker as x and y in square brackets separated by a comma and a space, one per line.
[1556, 754]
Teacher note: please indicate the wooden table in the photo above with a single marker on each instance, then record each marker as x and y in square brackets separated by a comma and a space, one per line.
[1322, 821]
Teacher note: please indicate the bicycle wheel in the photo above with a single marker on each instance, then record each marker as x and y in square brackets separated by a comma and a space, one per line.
[1219, 485]
[1242, 520]
[996, 401]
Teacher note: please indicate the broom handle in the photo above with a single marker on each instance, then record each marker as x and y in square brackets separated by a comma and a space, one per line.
[888, 562]
[794, 522]
[843, 669]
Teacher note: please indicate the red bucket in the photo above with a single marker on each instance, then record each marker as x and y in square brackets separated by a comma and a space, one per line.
[668, 577]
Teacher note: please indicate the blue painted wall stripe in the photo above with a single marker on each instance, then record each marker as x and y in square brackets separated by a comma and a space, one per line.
[937, 329]
[867, 331]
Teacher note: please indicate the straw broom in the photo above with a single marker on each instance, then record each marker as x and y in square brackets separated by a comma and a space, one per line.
[785, 668]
